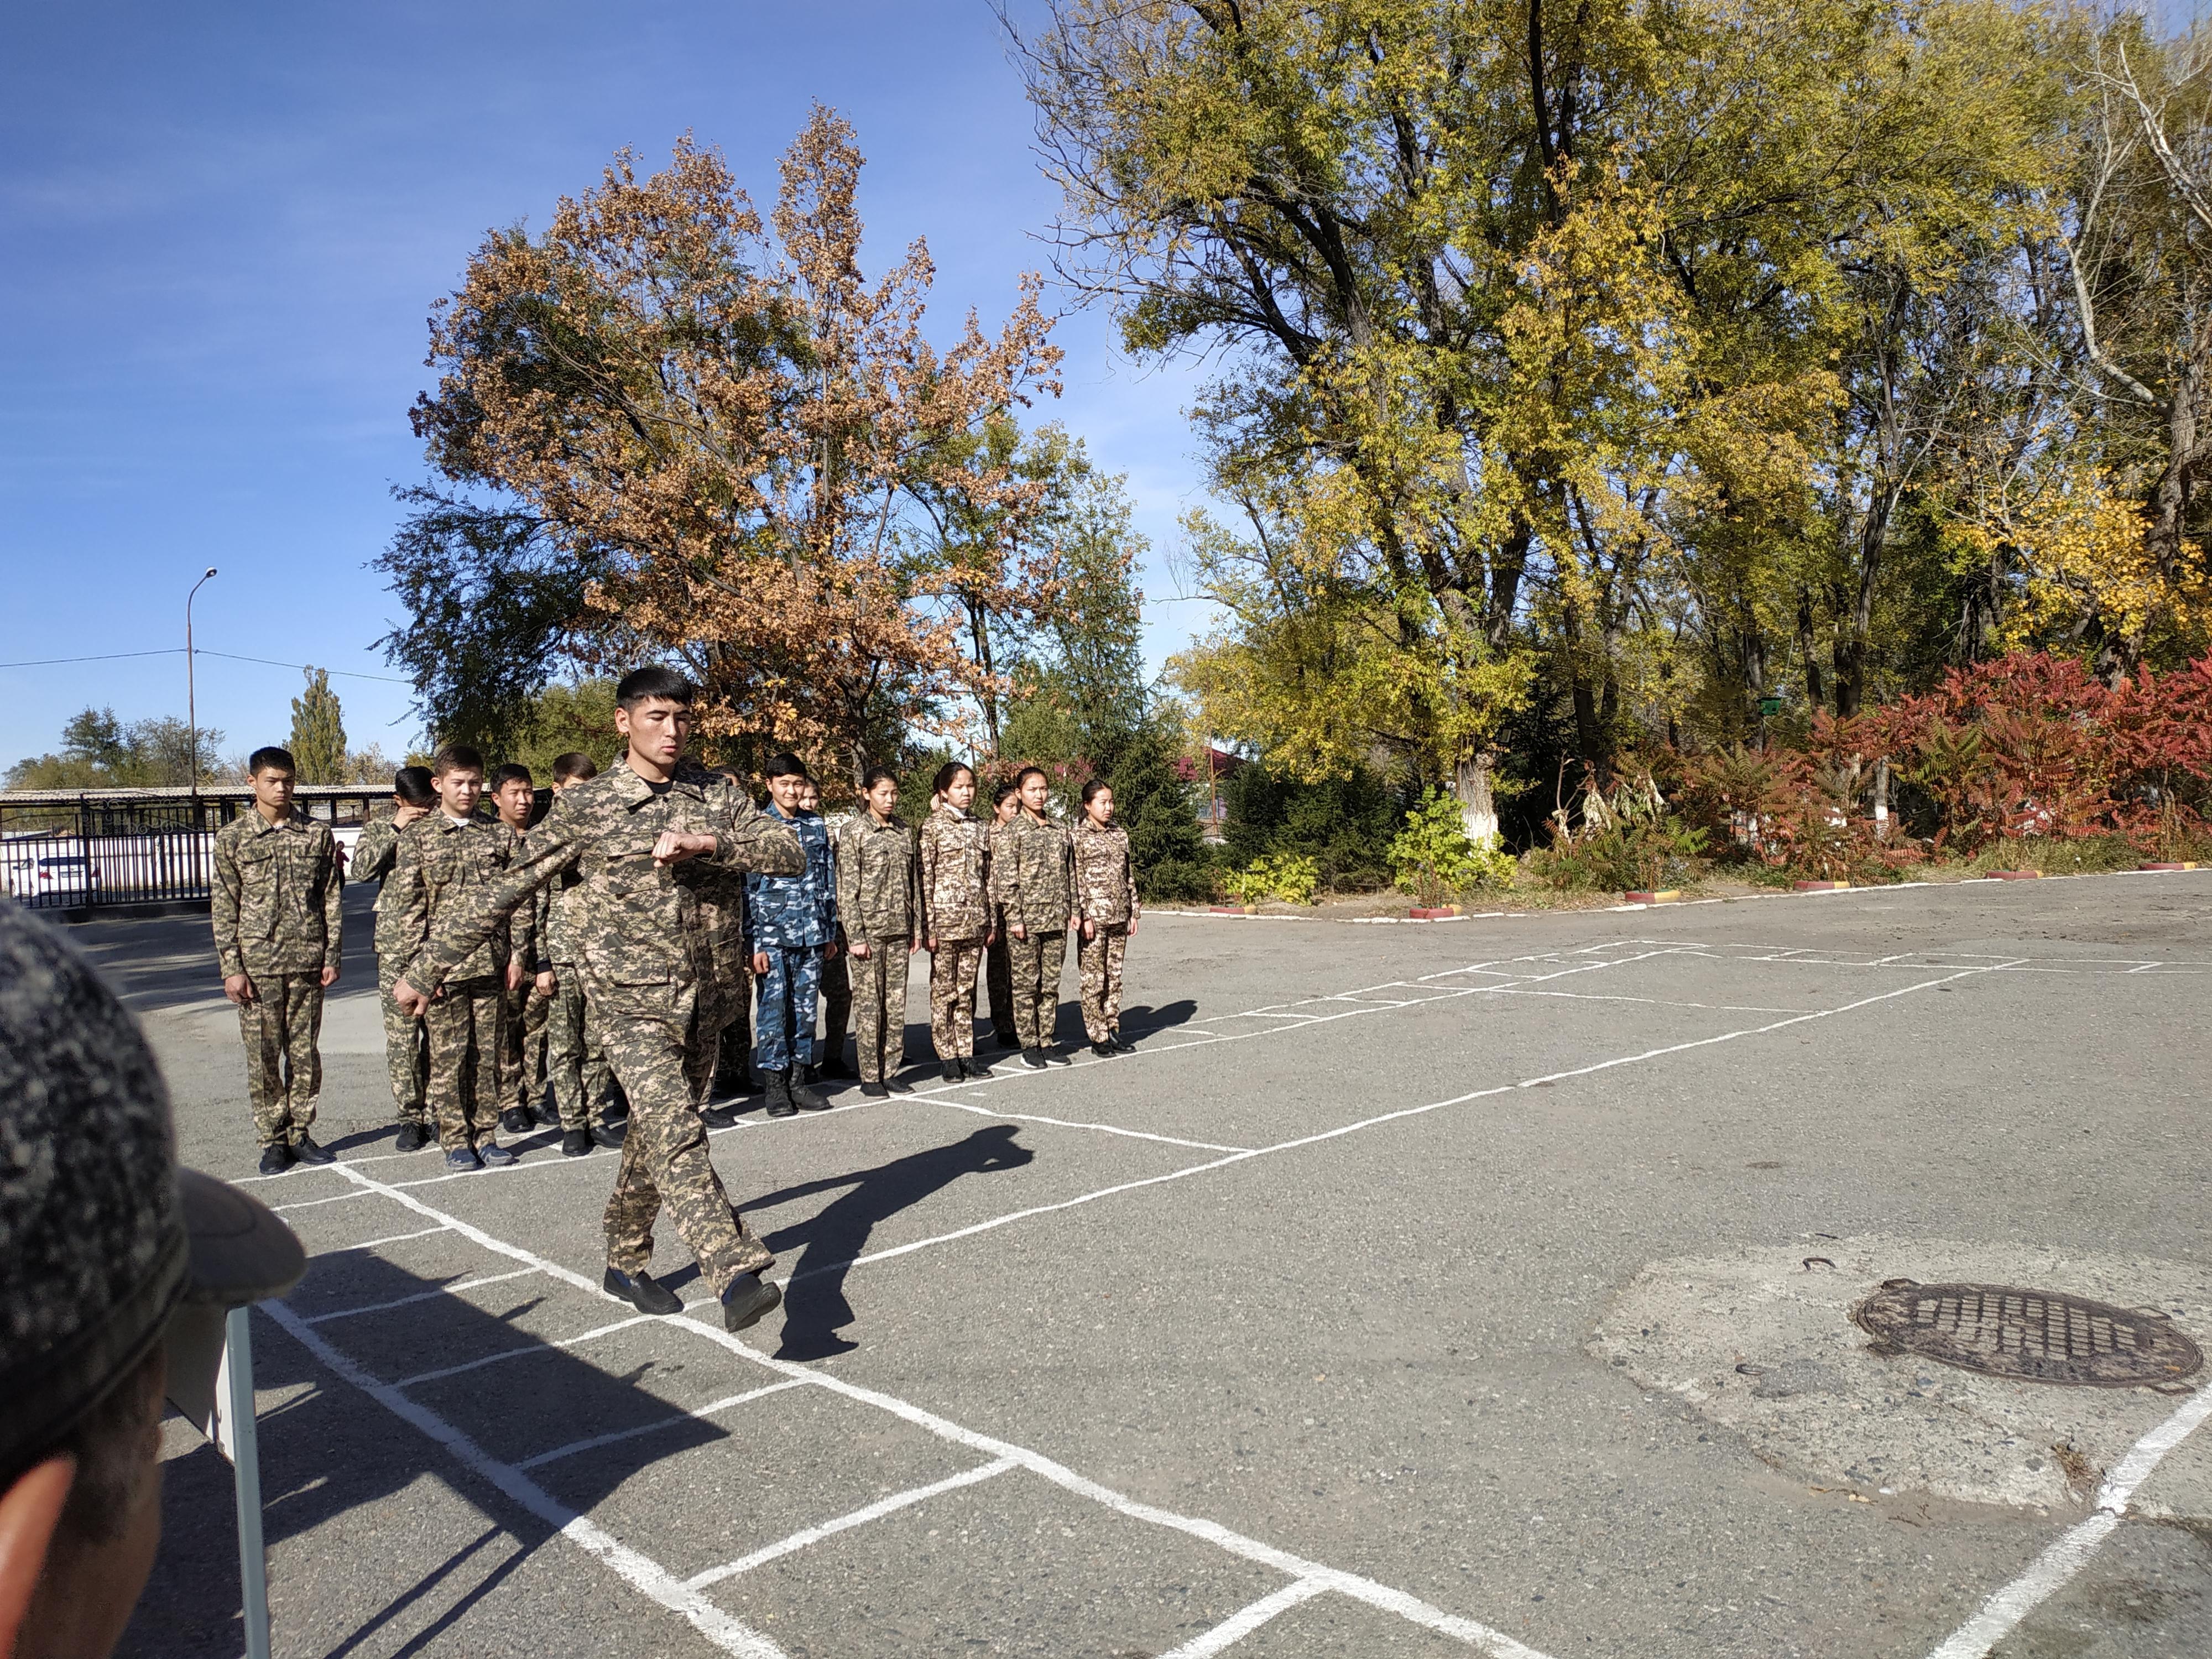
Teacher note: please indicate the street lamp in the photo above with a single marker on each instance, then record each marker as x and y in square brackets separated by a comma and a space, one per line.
[191, 705]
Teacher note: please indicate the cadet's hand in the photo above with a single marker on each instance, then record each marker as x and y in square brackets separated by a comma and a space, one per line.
[830, 952]
[238, 987]
[931, 944]
[545, 983]
[330, 975]
[513, 972]
[1020, 931]
[860, 953]
[403, 816]
[1132, 922]
[913, 944]
[409, 1000]
[1091, 930]
[760, 963]
[673, 848]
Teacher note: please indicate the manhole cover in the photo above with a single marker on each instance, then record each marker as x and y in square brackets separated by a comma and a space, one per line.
[2038, 1336]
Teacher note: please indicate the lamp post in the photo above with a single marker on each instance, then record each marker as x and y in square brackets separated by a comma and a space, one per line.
[191, 704]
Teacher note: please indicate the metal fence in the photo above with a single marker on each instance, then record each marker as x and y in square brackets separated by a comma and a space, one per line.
[94, 849]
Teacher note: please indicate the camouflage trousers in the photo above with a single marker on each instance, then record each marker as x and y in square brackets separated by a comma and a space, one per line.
[522, 1044]
[575, 1070]
[465, 1021]
[664, 1158]
[283, 1066]
[998, 978]
[836, 1016]
[952, 968]
[406, 1052]
[783, 1029]
[1034, 965]
[878, 982]
[721, 1011]
[1099, 966]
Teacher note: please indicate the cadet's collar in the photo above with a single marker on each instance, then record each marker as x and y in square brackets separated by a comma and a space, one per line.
[947, 806]
[634, 791]
[262, 826]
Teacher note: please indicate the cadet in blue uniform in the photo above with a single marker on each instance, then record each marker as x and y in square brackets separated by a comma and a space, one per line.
[792, 922]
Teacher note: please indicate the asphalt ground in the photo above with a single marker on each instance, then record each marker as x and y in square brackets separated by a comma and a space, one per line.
[1285, 1335]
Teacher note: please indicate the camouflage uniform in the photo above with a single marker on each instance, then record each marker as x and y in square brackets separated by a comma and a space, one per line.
[277, 895]
[791, 919]
[997, 971]
[1106, 898]
[956, 914]
[728, 987]
[522, 1074]
[1033, 879]
[879, 896]
[837, 983]
[406, 1051]
[575, 1070]
[636, 927]
[445, 864]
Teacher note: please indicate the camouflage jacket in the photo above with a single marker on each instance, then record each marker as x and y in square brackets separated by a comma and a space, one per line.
[954, 864]
[375, 856]
[443, 865]
[722, 914]
[637, 929]
[1105, 880]
[1033, 876]
[276, 896]
[878, 880]
[788, 913]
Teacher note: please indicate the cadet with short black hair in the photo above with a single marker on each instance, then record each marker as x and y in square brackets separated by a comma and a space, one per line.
[792, 922]
[1106, 900]
[279, 925]
[956, 917]
[576, 1074]
[879, 896]
[406, 1048]
[522, 1077]
[1034, 877]
[997, 971]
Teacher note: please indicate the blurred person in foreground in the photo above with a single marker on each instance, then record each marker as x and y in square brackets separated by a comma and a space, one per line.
[104, 1243]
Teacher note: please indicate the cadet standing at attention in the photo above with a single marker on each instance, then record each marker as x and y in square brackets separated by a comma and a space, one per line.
[522, 1033]
[1106, 900]
[793, 920]
[375, 855]
[278, 935]
[836, 984]
[879, 896]
[956, 917]
[728, 987]
[1034, 877]
[639, 835]
[576, 1074]
[447, 862]
[1006, 807]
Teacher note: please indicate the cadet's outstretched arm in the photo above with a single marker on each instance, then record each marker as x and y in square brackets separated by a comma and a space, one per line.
[753, 840]
[548, 850]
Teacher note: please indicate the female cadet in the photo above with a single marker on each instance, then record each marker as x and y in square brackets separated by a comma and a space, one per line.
[1034, 877]
[1007, 806]
[956, 917]
[879, 900]
[1106, 899]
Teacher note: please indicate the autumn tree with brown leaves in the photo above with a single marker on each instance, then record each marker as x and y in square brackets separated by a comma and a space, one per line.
[671, 430]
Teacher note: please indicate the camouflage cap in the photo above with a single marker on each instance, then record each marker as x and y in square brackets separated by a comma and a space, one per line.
[101, 1235]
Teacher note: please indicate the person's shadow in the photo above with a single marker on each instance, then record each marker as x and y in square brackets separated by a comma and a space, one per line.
[814, 1305]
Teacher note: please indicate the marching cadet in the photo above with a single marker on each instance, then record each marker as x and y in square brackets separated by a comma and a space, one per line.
[728, 988]
[375, 855]
[879, 896]
[956, 917]
[1034, 878]
[1006, 807]
[447, 862]
[836, 986]
[639, 835]
[576, 1074]
[522, 1032]
[1106, 900]
[793, 920]
[278, 932]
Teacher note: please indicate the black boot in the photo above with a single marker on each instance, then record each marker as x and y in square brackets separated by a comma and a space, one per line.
[275, 1158]
[517, 1121]
[412, 1137]
[975, 1065]
[642, 1291]
[609, 1134]
[304, 1150]
[795, 1091]
[747, 1300]
[1034, 1059]
[779, 1102]
[575, 1143]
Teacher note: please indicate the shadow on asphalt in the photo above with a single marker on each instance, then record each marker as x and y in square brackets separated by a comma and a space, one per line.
[330, 1452]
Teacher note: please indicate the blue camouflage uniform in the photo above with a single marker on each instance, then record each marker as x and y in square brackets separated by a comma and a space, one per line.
[791, 918]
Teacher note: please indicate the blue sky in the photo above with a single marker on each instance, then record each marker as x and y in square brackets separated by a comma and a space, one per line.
[224, 226]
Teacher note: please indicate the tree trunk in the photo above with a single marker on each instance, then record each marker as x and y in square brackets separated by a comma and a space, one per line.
[1816, 698]
[1478, 812]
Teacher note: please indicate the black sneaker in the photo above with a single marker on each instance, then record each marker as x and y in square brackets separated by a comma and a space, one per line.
[1059, 1057]
[517, 1121]
[975, 1068]
[898, 1087]
[875, 1090]
[275, 1158]
[1104, 1050]
[305, 1150]
[412, 1137]
[747, 1301]
[718, 1117]
[1034, 1059]
[575, 1143]
[1121, 1046]
[461, 1159]
[799, 1094]
[548, 1112]
[952, 1071]
[495, 1155]
[642, 1291]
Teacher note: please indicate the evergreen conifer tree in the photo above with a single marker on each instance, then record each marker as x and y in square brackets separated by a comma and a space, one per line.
[1154, 804]
[318, 743]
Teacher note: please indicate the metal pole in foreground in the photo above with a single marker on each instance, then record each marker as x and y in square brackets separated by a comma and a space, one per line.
[246, 1461]
[191, 705]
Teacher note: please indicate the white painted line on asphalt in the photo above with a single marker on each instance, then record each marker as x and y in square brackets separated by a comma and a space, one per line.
[1066, 1123]
[697, 1415]
[1366, 1590]
[309, 1203]
[1241, 1623]
[389, 1238]
[860, 1517]
[420, 1295]
[2147, 968]
[641, 1571]
[1997, 1618]
[538, 1349]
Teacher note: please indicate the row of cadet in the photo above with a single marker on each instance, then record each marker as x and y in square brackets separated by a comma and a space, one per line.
[511, 1040]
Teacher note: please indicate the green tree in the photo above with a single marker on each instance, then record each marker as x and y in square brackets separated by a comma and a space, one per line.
[1156, 804]
[318, 741]
[99, 752]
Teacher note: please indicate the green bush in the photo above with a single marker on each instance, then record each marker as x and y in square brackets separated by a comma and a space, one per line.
[1291, 877]
[1433, 856]
[1626, 841]
[1344, 824]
